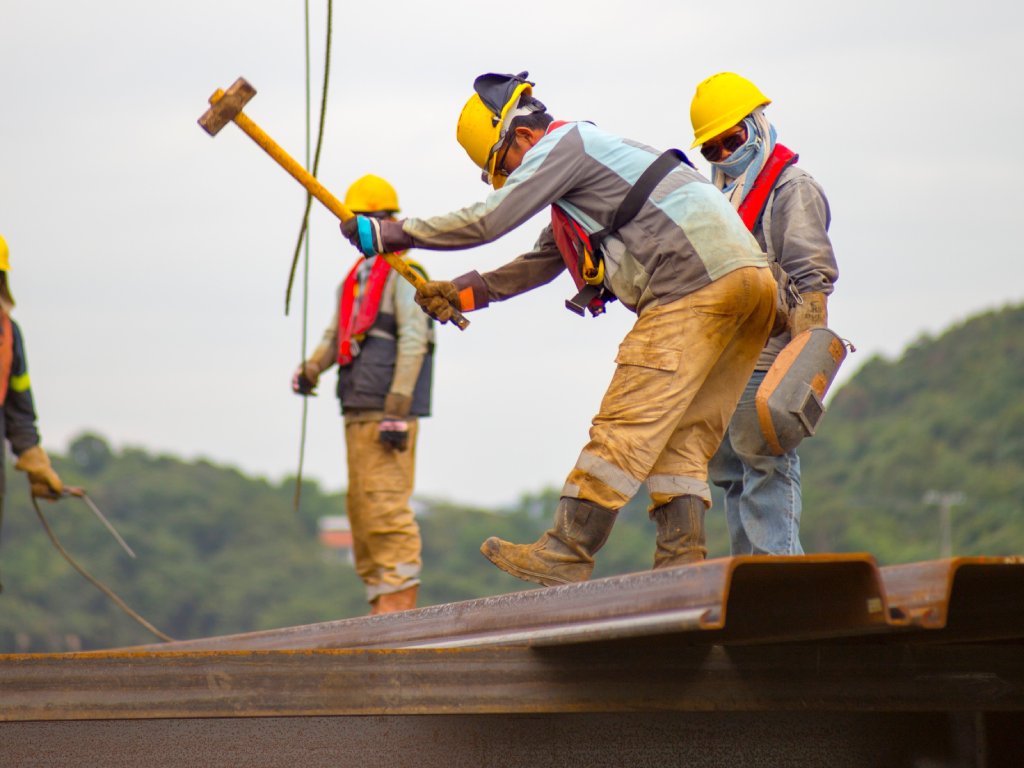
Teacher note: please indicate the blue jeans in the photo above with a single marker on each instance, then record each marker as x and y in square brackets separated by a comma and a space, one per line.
[762, 492]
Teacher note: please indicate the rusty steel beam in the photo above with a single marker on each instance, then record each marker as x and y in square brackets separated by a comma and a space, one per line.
[958, 599]
[658, 675]
[728, 600]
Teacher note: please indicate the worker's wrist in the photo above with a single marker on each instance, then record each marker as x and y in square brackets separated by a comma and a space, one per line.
[473, 293]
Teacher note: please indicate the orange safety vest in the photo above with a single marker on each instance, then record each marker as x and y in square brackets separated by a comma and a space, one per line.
[755, 201]
[6, 354]
[359, 305]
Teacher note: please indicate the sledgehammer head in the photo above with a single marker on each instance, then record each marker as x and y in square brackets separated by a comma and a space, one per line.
[225, 107]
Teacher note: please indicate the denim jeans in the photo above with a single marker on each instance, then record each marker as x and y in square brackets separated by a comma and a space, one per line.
[762, 492]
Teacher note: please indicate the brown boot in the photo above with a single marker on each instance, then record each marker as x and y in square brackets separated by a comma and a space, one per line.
[392, 602]
[564, 554]
[681, 537]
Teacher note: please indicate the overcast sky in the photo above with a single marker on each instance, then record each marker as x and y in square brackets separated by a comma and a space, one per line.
[149, 261]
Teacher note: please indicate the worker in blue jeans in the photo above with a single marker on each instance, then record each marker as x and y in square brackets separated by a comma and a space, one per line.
[788, 213]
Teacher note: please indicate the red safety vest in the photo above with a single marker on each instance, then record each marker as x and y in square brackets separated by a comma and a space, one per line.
[756, 199]
[6, 354]
[356, 313]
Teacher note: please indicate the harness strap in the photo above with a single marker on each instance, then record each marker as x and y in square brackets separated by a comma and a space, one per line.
[756, 200]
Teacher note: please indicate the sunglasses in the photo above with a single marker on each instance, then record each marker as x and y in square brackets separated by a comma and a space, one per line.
[713, 151]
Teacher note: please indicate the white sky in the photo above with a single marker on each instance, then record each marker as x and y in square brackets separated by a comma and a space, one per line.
[150, 261]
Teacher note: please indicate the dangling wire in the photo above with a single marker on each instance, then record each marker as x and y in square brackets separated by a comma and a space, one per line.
[92, 579]
[319, 142]
[303, 229]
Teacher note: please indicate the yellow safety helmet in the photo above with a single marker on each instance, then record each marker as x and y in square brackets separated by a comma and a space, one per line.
[371, 194]
[721, 102]
[486, 117]
[5, 267]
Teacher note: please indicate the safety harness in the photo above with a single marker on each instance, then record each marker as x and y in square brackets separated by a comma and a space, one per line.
[360, 302]
[582, 252]
[752, 208]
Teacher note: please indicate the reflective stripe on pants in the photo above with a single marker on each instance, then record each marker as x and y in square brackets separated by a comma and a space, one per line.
[680, 372]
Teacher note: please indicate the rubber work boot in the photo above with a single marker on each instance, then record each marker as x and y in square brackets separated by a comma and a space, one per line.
[393, 602]
[564, 554]
[681, 537]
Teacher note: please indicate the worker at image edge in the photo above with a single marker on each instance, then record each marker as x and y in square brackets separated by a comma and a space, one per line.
[18, 414]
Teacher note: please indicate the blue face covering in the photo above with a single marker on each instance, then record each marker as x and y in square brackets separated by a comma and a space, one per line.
[752, 155]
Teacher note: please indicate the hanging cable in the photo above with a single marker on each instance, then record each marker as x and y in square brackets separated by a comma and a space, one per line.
[92, 579]
[319, 144]
[303, 229]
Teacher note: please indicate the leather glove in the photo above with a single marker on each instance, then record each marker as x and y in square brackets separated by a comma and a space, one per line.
[44, 481]
[437, 297]
[397, 406]
[394, 434]
[372, 236]
[812, 312]
[305, 379]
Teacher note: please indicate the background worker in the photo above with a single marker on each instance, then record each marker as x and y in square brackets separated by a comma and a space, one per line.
[384, 346]
[787, 211]
[684, 263]
[18, 414]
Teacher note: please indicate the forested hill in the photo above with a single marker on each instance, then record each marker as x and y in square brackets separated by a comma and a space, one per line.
[945, 419]
[220, 552]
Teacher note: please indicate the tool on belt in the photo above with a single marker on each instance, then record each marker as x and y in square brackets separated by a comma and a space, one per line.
[226, 106]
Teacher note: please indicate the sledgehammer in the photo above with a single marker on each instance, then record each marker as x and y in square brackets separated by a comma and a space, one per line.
[226, 107]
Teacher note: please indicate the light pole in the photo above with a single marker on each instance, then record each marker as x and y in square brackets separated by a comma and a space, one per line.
[945, 501]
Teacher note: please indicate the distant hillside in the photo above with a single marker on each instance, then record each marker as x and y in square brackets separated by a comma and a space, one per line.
[220, 552]
[947, 417]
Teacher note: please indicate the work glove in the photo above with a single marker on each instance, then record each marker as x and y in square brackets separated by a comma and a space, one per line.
[397, 406]
[373, 236]
[305, 379]
[811, 312]
[43, 480]
[394, 434]
[437, 297]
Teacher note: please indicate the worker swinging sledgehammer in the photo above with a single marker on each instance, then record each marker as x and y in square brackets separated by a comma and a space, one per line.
[630, 224]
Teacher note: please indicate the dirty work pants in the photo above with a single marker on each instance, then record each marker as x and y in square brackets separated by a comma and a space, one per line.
[680, 372]
[762, 491]
[385, 536]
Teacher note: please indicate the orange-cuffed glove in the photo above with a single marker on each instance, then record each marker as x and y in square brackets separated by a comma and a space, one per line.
[437, 297]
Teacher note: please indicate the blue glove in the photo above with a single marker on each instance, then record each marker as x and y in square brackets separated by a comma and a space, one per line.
[372, 236]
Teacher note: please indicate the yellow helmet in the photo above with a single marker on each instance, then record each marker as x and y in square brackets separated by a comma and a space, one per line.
[371, 194]
[5, 256]
[486, 117]
[721, 102]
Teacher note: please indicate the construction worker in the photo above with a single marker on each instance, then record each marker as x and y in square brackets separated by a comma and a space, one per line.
[787, 211]
[18, 415]
[383, 345]
[673, 251]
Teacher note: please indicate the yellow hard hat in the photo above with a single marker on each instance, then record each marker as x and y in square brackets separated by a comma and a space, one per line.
[721, 102]
[486, 117]
[371, 194]
[5, 256]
